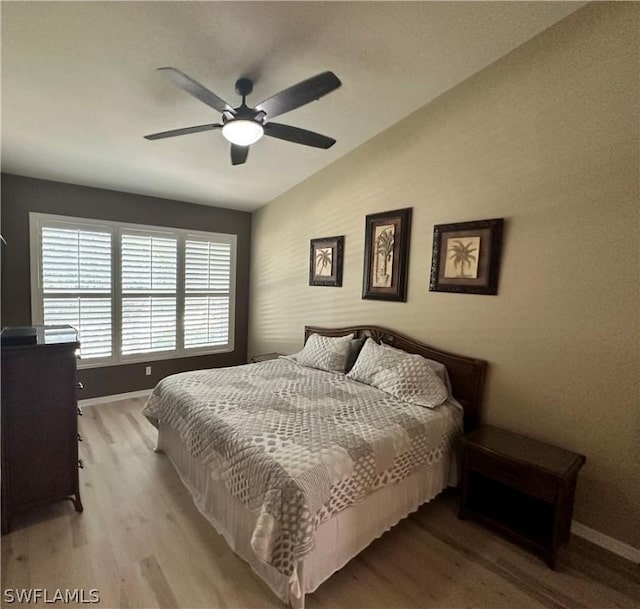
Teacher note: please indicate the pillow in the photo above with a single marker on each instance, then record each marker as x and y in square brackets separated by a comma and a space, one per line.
[354, 351]
[438, 367]
[328, 353]
[406, 376]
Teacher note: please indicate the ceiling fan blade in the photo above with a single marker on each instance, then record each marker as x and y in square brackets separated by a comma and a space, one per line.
[298, 136]
[298, 95]
[239, 154]
[184, 131]
[193, 87]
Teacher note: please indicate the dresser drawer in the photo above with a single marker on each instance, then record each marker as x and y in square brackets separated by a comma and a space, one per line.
[516, 475]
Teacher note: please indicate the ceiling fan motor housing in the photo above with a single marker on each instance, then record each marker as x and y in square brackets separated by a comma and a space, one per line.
[245, 113]
[244, 86]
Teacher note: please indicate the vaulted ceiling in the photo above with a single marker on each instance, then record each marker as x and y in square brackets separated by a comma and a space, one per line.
[80, 87]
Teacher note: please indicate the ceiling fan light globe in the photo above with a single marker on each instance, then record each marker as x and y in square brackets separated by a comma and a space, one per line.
[242, 132]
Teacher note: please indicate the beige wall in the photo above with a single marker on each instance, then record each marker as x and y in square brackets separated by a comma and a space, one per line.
[547, 138]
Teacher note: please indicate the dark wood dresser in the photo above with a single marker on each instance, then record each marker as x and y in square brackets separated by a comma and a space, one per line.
[39, 420]
[519, 486]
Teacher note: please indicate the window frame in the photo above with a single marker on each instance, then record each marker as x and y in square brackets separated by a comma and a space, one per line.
[36, 222]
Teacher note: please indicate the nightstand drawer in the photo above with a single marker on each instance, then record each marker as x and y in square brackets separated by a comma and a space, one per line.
[516, 475]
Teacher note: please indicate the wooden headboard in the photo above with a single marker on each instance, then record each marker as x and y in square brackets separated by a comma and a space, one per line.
[466, 373]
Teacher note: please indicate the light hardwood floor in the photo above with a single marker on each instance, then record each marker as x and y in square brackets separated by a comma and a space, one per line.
[142, 544]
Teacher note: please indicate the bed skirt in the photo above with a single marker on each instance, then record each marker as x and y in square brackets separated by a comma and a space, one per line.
[338, 539]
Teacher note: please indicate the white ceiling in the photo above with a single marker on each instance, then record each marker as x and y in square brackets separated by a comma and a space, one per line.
[80, 87]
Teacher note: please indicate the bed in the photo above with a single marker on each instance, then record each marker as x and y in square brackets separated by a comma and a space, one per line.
[301, 468]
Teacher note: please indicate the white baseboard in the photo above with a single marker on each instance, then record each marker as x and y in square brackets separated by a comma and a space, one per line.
[604, 541]
[105, 399]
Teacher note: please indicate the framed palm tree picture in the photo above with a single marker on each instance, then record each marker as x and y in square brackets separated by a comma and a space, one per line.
[325, 261]
[466, 257]
[386, 255]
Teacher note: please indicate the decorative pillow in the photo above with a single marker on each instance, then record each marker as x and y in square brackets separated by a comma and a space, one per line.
[354, 351]
[406, 376]
[325, 352]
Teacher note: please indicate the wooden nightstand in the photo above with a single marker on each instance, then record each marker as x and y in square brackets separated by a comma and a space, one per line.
[519, 486]
[264, 357]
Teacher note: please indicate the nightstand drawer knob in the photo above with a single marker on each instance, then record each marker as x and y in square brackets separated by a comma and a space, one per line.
[80, 464]
[79, 385]
[79, 411]
[79, 438]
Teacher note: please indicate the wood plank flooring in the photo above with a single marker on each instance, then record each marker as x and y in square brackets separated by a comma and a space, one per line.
[142, 544]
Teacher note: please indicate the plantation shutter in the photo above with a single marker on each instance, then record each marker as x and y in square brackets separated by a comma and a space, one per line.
[133, 292]
[149, 270]
[76, 285]
[207, 292]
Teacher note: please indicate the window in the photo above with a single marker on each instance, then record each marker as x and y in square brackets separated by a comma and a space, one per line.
[149, 289]
[134, 293]
[207, 284]
[76, 284]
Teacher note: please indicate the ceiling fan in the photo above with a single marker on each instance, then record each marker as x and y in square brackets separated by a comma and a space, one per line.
[243, 125]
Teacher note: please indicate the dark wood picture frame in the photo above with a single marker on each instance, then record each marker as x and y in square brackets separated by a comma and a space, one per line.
[386, 255]
[471, 246]
[326, 251]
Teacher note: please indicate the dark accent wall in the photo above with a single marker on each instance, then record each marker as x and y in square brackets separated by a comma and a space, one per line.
[21, 195]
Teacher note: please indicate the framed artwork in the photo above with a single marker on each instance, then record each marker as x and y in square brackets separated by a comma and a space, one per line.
[325, 261]
[386, 255]
[466, 257]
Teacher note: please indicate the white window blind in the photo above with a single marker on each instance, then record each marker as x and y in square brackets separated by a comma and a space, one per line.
[148, 324]
[207, 289]
[149, 263]
[134, 293]
[149, 279]
[76, 260]
[76, 285]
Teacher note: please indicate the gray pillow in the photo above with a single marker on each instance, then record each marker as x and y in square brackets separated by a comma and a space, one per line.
[354, 351]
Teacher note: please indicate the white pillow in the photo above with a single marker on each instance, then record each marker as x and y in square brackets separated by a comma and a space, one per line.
[328, 353]
[406, 376]
[438, 367]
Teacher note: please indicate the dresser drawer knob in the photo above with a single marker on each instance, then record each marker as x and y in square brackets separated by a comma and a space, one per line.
[79, 385]
[80, 464]
[79, 411]
[79, 438]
